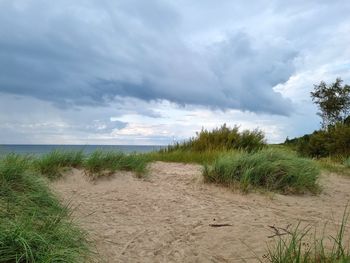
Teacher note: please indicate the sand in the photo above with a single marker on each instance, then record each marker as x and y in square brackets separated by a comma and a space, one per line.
[166, 217]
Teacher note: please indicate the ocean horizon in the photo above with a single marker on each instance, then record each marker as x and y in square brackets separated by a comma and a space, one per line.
[38, 149]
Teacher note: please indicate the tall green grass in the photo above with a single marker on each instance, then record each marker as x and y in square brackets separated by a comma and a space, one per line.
[334, 166]
[270, 169]
[53, 164]
[101, 163]
[34, 226]
[98, 163]
[223, 138]
[186, 156]
[300, 247]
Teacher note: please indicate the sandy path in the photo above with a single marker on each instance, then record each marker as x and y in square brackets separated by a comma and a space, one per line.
[166, 217]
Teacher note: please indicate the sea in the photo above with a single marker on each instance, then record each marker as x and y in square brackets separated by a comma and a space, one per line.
[40, 149]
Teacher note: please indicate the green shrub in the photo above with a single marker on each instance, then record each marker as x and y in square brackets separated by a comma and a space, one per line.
[34, 226]
[223, 138]
[335, 142]
[273, 170]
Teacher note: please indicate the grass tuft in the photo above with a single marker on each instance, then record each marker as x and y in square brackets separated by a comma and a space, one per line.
[223, 138]
[53, 163]
[101, 163]
[334, 166]
[34, 226]
[270, 169]
[299, 247]
[96, 164]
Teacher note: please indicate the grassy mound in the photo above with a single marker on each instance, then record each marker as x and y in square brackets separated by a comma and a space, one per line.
[223, 138]
[101, 163]
[95, 164]
[273, 170]
[34, 226]
[52, 164]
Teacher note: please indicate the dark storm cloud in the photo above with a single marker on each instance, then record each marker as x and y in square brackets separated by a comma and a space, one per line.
[90, 52]
[239, 76]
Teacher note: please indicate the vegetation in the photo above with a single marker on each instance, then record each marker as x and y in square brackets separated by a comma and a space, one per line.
[333, 102]
[34, 226]
[333, 166]
[53, 163]
[96, 164]
[223, 138]
[270, 169]
[101, 163]
[295, 247]
[185, 156]
[335, 142]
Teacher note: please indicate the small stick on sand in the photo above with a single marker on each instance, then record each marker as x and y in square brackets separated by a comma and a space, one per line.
[219, 225]
[277, 231]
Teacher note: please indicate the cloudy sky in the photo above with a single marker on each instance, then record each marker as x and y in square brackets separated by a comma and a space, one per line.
[155, 71]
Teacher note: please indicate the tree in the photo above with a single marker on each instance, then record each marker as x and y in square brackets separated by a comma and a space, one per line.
[333, 102]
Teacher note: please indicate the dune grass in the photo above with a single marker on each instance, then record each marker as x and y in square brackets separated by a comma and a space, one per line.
[53, 164]
[223, 138]
[301, 246]
[34, 226]
[334, 166]
[101, 163]
[270, 169]
[98, 163]
[186, 156]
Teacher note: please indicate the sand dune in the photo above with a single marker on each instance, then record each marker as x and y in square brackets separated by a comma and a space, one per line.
[166, 217]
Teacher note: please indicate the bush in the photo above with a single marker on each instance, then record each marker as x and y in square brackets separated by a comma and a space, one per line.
[333, 142]
[273, 170]
[34, 226]
[223, 138]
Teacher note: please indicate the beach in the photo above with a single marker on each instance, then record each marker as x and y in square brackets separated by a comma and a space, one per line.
[170, 215]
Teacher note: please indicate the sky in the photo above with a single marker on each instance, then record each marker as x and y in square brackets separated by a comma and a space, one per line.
[154, 72]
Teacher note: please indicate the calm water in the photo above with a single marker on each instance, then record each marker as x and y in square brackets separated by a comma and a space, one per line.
[42, 149]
